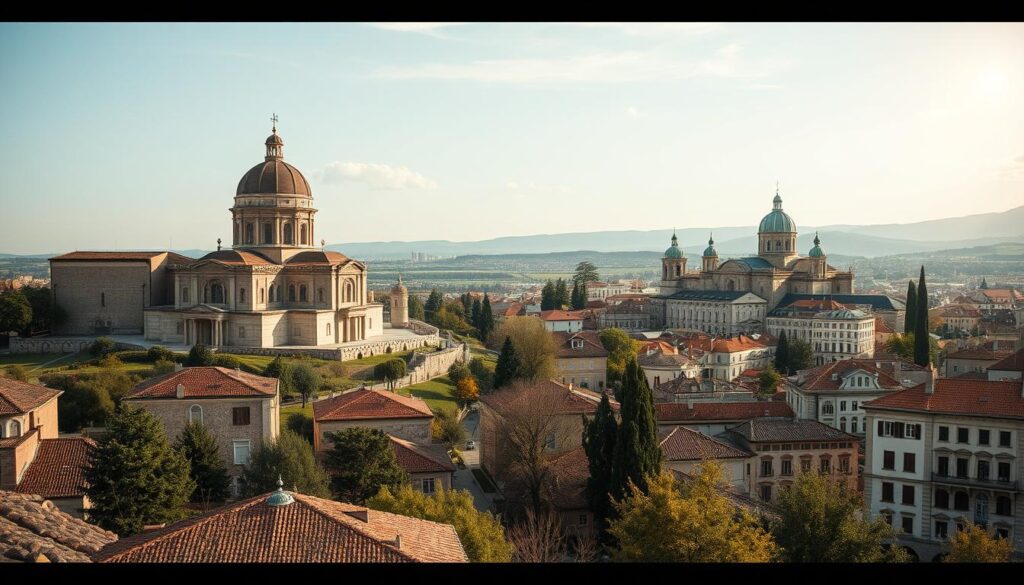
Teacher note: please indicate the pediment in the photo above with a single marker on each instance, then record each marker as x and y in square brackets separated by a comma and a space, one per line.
[204, 308]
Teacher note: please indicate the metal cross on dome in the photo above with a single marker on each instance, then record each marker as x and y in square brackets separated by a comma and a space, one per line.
[273, 119]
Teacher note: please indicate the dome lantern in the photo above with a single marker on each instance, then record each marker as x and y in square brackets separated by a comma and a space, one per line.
[673, 251]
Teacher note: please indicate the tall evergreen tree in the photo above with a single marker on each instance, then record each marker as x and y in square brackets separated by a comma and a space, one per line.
[291, 458]
[467, 303]
[432, 306]
[362, 462]
[585, 272]
[134, 477]
[474, 315]
[508, 366]
[416, 308]
[561, 294]
[547, 296]
[911, 317]
[782, 354]
[984, 284]
[197, 444]
[599, 436]
[486, 318]
[574, 296]
[637, 454]
[921, 356]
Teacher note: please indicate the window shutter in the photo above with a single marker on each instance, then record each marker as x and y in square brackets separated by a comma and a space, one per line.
[880, 428]
[917, 429]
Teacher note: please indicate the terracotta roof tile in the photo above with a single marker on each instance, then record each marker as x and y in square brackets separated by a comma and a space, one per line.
[1001, 399]
[21, 397]
[683, 444]
[205, 382]
[310, 529]
[738, 343]
[559, 315]
[567, 482]
[575, 401]
[1010, 363]
[591, 345]
[57, 470]
[819, 379]
[317, 258]
[365, 403]
[237, 258]
[119, 256]
[421, 458]
[30, 525]
[881, 326]
[669, 412]
[772, 429]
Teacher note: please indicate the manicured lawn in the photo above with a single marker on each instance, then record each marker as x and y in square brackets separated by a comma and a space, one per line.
[257, 362]
[32, 361]
[437, 393]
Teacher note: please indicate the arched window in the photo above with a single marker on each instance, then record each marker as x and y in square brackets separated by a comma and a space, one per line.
[320, 295]
[303, 297]
[291, 292]
[235, 238]
[961, 501]
[241, 332]
[241, 295]
[272, 299]
[289, 235]
[778, 246]
[216, 293]
[853, 424]
[268, 233]
[350, 291]
[842, 423]
[195, 414]
[826, 407]
[942, 499]
[15, 428]
[303, 233]
[328, 329]
[250, 233]
[981, 509]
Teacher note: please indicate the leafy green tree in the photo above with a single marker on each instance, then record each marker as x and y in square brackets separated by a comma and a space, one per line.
[903, 346]
[475, 313]
[433, 305]
[307, 381]
[17, 372]
[599, 436]
[483, 371]
[101, 347]
[694, 523]
[486, 324]
[910, 319]
[159, 352]
[561, 294]
[801, 355]
[224, 360]
[447, 428]
[390, 371]
[301, 424]
[83, 404]
[362, 462]
[922, 356]
[508, 366]
[450, 316]
[637, 453]
[768, 380]
[280, 369]
[290, 457]
[15, 311]
[481, 533]
[548, 297]
[535, 346]
[199, 355]
[45, 314]
[163, 367]
[416, 308]
[574, 297]
[585, 272]
[974, 544]
[197, 444]
[467, 303]
[457, 371]
[621, 348]
[820, 521]
[134, 477]
[782, 354]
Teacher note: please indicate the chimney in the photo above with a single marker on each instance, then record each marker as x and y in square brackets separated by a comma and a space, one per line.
[180, 391]
[398, 541]
[178, 367]
[929, 384]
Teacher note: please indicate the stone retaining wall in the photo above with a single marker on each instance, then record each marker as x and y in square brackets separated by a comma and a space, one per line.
[426, 366]
[58, 345]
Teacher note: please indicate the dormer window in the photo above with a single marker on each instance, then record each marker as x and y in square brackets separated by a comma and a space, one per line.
[577, 344]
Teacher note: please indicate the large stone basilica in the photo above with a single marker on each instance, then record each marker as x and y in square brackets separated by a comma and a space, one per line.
[274, 286]
[735, 296]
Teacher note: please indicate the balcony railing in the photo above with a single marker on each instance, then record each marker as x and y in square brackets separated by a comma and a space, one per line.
[997, 484]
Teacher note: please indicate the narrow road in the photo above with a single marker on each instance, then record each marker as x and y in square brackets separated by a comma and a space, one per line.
[464, 479]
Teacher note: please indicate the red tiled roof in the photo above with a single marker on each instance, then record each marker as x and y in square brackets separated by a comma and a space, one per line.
[819, 379]
[31, 525]
[591, 345]
[738, 343]
[365, 403]
[817, 304]
[979, 353]
[683, 444]
[238, 258]
[575, 401]
[421, 458]
[205, 382]
[1002, 294]
[1001, 399]
[881, 326]
[514, 310]
[57, 470]
[567, 482]
[120, 256]
[1010, 363]
[559, 315]
[771, 429]
[21, 397]
[310, 529]
[668, 412]
[317, 258]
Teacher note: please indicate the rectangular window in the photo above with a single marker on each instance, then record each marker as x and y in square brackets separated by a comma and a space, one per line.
[240, 415]
[826, 465]
[983, 436]
[944, 434]
[844, 464]
[1004, 471]
[805, 464]
[766, 468]
[888, 460]
[766, 493]
[427, 485]
[1004, 438]
[787, 467]
[842, 405]
[913, 431]
[908, 524]
[887, 491]
[941, 529]
[963, 435]
[943, 466]
[983, 469]
[908, 495]
[908, 462]
[241, 451]
[961, 467]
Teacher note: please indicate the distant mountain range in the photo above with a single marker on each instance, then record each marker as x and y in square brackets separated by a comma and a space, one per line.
[837, 240]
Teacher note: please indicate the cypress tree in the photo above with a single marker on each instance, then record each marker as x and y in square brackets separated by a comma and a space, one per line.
[637, 454]
[583, 294]
[507, 368]
[599, 436]
[547, 296]
[198, 445]
[432, 306]
[474, 316]
[467, 303]
[782, 354]
[561, 294]
[486, 318]
[911, 317]
[574, 296]
[921, 338]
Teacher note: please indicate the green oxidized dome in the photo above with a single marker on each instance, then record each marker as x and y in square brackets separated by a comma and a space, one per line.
[777, 221]
[816, 251]
[710, 250]
[673, 250]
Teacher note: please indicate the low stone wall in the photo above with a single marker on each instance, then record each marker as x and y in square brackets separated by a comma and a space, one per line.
[58, 345]
[341, 353]
[425, 366]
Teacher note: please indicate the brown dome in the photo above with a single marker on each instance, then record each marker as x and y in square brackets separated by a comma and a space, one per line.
[273, 176]
[274, 139]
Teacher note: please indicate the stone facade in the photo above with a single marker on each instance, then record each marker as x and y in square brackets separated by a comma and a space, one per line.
[587, 372]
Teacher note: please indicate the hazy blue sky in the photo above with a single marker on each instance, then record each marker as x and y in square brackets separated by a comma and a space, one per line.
[135, 135]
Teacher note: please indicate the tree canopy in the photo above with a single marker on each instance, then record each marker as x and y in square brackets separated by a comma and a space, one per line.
[599, 436]
[637, 455]
[390, 371]
[292, 458]
[585, 272]
[534, 346]
[362, 462]
[305, 380]
[197, 444]
[621, 348]
[15, 312]
[974, 544]
[199, 355]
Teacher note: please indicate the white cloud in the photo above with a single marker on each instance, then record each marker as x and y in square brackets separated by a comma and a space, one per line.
[377, 176]
[635, 113]
[620, 67]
